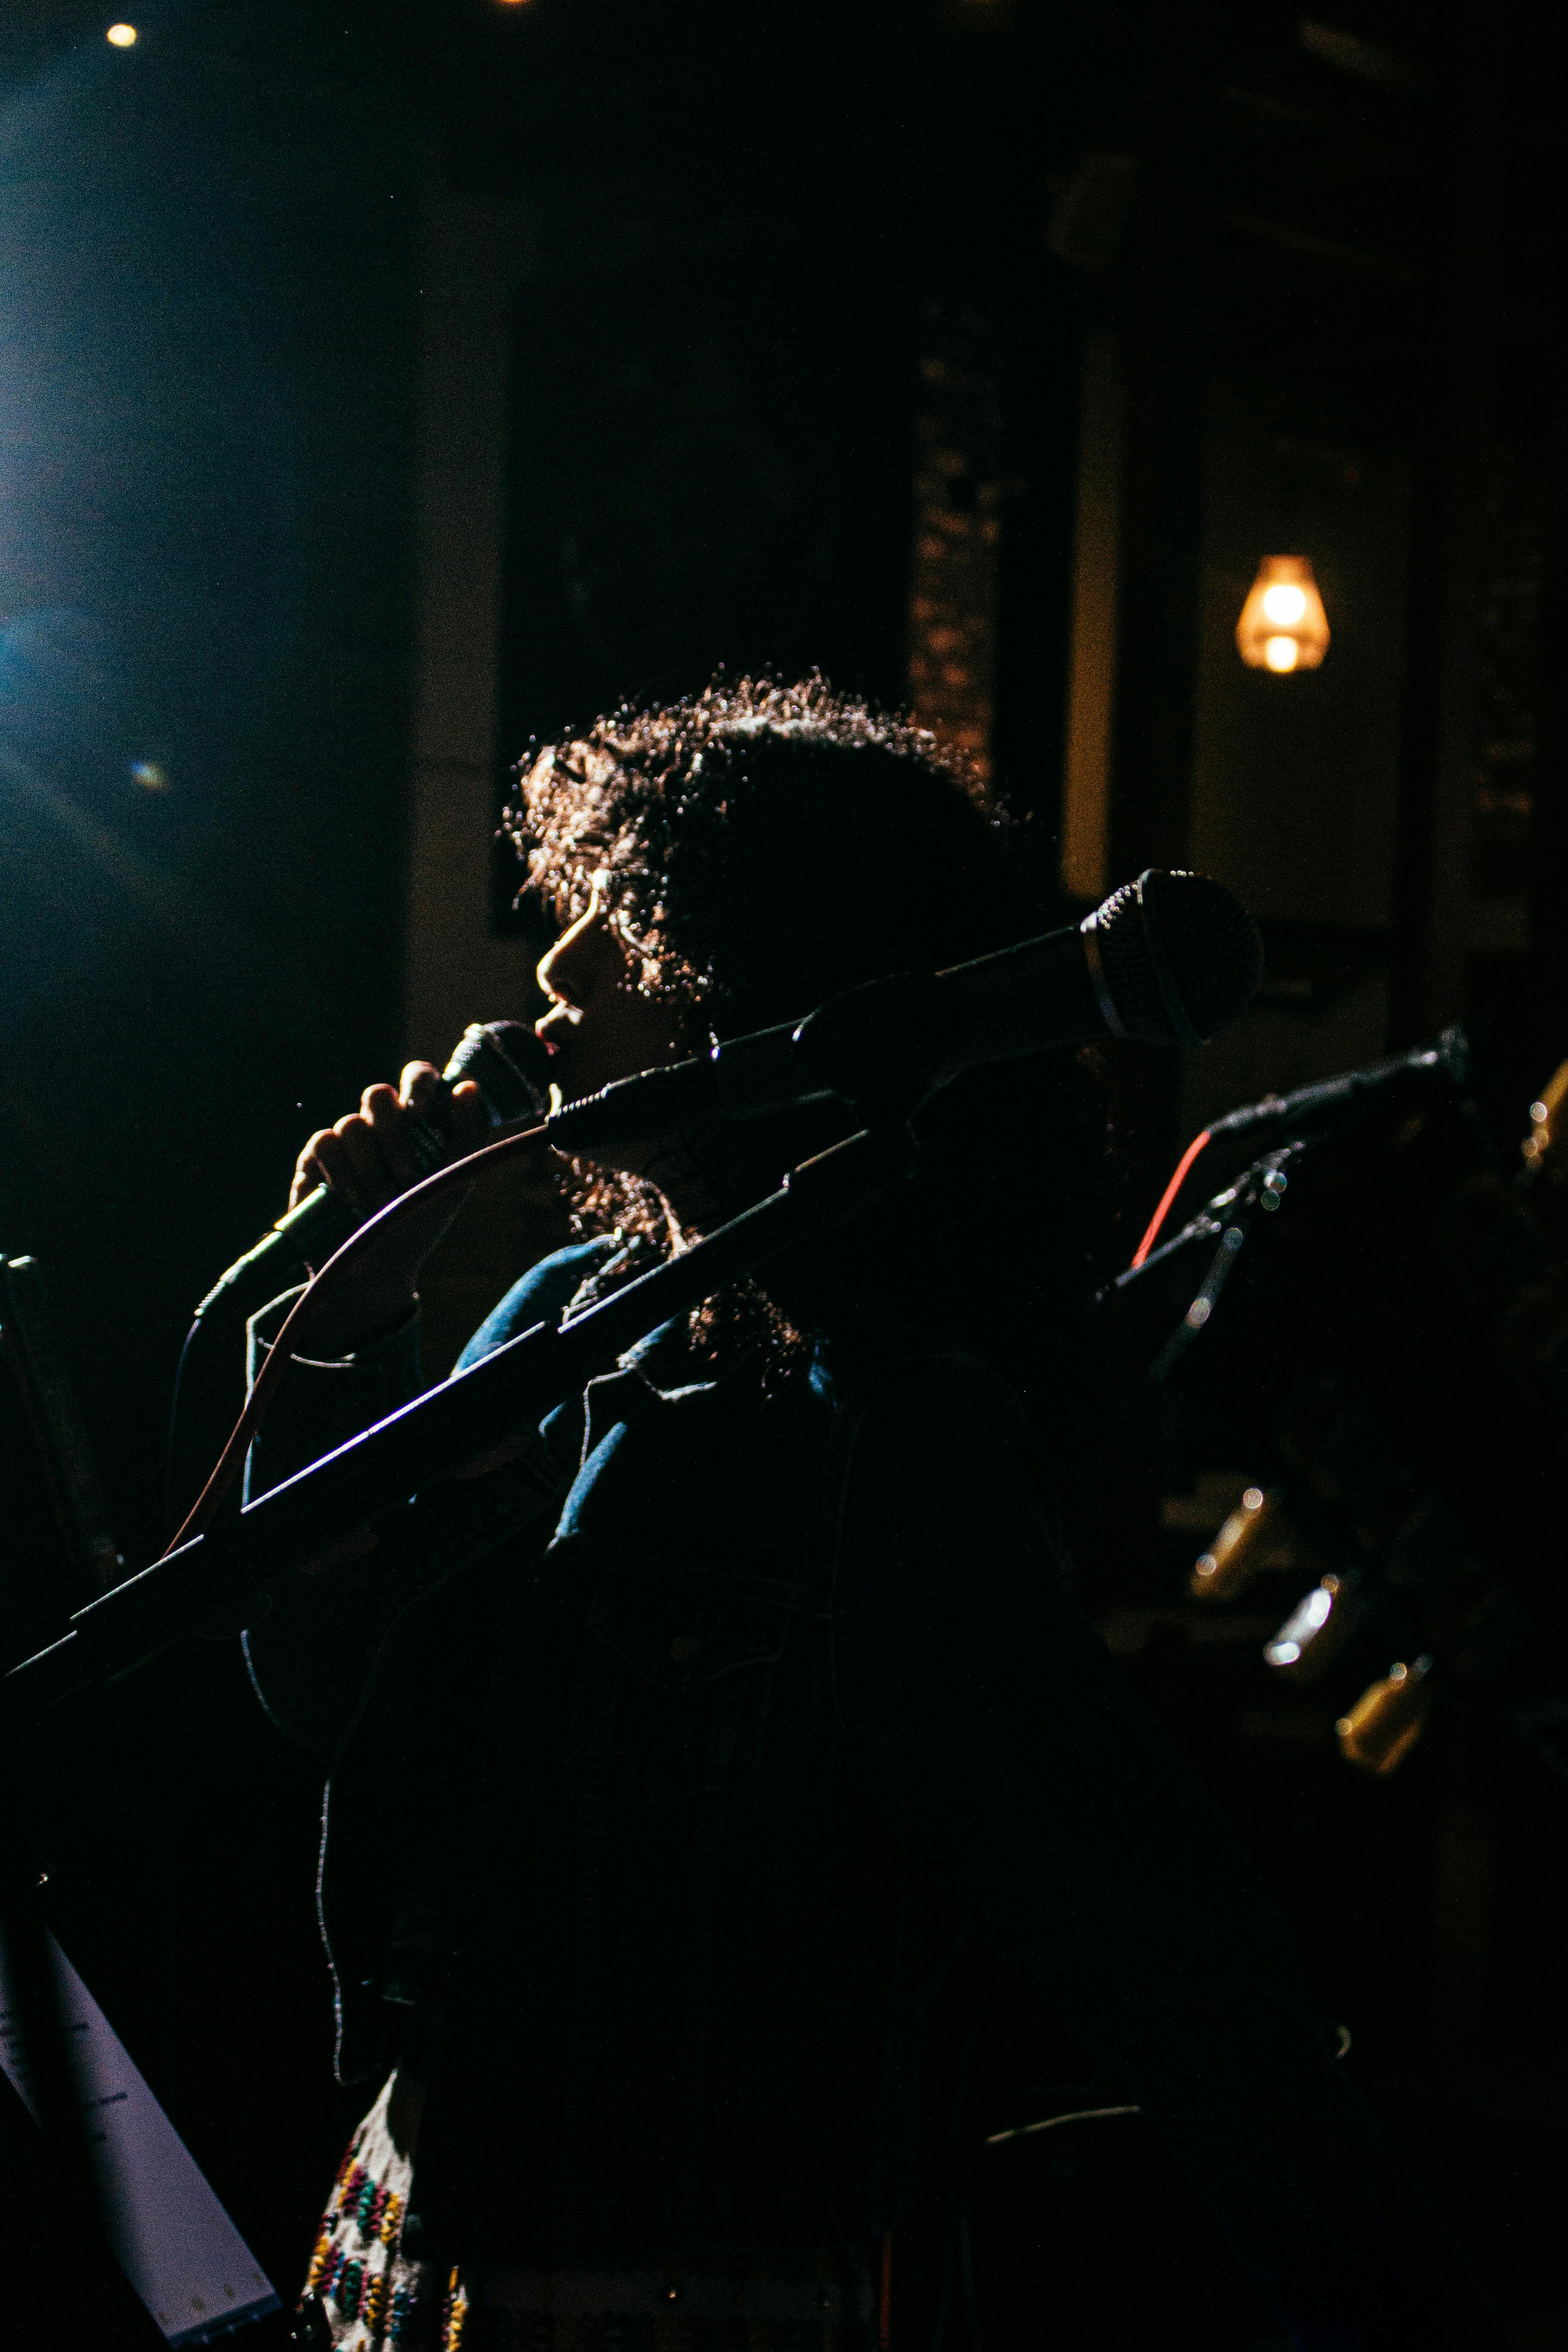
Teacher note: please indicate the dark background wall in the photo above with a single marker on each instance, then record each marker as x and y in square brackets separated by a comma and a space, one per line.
[206, 294]
[206, 297]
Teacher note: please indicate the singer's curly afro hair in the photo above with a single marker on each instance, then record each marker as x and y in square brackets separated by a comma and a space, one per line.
[764, 845]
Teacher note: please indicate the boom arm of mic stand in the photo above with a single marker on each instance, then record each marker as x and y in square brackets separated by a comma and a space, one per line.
[1214, 1215]
[1226, 1221]
[212, 1582]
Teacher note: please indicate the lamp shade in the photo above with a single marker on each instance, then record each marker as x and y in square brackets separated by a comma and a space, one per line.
[1283, 626]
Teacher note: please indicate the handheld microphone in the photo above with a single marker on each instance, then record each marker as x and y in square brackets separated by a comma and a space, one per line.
[1168, 959]
[1447, 1057]
[507, 1064]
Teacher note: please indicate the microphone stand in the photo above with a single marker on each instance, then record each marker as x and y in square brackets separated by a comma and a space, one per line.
[478, 1420]
[1227, 1220]
[1310, 1115]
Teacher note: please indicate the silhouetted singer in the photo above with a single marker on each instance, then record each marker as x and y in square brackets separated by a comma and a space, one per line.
[669, 1781]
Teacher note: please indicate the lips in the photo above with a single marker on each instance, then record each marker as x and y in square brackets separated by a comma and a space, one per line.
[554, 1033]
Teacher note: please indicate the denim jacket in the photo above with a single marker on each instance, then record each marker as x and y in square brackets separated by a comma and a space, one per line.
[674, 1769]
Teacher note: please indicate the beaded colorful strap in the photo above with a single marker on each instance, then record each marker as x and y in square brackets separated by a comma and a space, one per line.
[358, 2290]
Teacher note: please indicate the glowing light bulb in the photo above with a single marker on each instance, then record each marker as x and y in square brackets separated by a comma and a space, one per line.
[122, 36]
[1283, 626]
[1284, 605]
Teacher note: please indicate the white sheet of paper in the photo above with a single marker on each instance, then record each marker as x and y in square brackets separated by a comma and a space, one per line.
[169, 2235]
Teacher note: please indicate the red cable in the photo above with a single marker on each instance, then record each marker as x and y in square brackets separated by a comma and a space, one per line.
[1168, 1195]
[226, 1467]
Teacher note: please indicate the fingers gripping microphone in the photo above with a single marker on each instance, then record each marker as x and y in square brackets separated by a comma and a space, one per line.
[505, 1061]
[1168, 959]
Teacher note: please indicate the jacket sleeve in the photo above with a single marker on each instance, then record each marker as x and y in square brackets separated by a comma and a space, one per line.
[1012, 1763]
[322, 1404]
[309, 1655]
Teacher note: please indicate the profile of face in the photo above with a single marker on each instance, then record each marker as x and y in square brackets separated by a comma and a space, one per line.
[601, 1025]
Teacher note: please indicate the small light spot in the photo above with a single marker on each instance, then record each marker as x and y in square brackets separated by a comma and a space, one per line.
[1281, 654]
[1253, 1500]
[149, 774]
[122, 36]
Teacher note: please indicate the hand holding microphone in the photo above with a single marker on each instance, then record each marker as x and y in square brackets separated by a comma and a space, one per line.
[398, 1136]
[349, 1174]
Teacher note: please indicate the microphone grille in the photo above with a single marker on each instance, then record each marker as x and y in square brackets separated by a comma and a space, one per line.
[1181, 954]
[508, 1065]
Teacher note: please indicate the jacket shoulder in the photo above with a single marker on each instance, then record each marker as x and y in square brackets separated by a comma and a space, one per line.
[540, 1297]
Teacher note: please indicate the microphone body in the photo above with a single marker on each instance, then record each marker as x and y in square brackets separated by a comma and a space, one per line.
[506, 1062]
[1169, 960]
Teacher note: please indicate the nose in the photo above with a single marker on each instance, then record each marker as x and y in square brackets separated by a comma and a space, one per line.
[586, 959]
